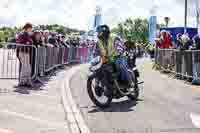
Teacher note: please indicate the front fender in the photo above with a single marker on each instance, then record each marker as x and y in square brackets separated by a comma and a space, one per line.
[91, 75]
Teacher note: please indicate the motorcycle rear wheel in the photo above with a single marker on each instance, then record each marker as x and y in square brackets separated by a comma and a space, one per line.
[135, 94]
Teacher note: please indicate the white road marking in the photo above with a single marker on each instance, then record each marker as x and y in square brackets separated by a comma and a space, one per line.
[28, 117]
[195, 119]
[69, 102]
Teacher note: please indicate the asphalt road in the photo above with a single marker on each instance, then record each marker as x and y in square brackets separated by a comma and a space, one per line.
[40, 111]
[166, 105]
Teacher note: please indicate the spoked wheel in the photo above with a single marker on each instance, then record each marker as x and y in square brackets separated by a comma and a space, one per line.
[135, 94]
[98, 93]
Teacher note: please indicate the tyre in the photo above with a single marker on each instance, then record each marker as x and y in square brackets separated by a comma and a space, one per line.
[135, 94]
[93, 96]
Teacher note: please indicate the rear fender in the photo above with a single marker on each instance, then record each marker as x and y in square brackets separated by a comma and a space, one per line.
[136, 72]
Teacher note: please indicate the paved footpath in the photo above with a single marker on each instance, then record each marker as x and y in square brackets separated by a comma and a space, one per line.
[38, 112]
[167, 105]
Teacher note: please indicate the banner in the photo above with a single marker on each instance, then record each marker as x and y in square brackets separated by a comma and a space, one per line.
[152, 29]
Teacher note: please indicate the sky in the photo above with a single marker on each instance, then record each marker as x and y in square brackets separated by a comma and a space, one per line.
[79, 13]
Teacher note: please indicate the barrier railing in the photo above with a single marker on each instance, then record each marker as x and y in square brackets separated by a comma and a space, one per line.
[184, 64]
[42, 59]
[9, 60]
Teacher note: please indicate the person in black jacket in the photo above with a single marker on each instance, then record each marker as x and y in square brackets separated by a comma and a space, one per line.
[53, 40]
[178, 41]
[196, 40]
[196, 62]
[186, 42]
[37, 40]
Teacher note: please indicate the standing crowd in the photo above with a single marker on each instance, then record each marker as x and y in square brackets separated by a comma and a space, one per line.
[183, 41]
[29, 38]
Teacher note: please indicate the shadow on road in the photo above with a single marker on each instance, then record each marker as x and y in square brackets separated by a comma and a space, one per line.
[38, 85]
[124, 106]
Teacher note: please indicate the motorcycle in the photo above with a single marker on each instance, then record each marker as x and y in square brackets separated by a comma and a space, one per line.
[103, 83]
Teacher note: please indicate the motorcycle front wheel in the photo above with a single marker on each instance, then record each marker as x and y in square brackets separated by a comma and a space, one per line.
[96, 91]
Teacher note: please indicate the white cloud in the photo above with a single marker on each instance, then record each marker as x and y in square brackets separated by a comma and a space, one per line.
[79, 13]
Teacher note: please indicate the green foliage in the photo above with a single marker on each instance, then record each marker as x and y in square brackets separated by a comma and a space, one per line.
[133, 30]
[61, 29]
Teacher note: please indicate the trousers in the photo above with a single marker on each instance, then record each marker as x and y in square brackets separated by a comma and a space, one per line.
[122, 67]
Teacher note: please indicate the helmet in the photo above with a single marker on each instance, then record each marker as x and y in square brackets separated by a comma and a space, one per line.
[103, 32]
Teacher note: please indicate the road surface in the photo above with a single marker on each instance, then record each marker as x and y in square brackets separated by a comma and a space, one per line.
[166, 105]
[40, 111]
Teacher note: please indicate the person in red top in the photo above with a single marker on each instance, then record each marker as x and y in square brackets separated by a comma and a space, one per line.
[24, 55]
[166, 40]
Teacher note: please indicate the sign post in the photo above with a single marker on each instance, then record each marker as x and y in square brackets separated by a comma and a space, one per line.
[185, 26]
[152, 29]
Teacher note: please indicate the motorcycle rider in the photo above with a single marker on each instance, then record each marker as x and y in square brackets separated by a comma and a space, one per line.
[110, 52]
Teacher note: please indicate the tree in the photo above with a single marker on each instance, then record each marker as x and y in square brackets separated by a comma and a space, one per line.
[133, 30]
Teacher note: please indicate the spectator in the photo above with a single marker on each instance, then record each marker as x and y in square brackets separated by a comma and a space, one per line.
[37, 42]
[186, 42]
[53, 40]
[166, 40]
[178, 41]
[24, 55]
[63, 42]
[196, 41]
[196, 64]
[37, 39]
[158, 42]
[58, 38]
[68, 43]
[46, 36]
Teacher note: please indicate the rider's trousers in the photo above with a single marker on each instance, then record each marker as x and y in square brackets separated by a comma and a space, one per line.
[122, 67]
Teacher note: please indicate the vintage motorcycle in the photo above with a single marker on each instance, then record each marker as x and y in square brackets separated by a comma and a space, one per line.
[103, 83]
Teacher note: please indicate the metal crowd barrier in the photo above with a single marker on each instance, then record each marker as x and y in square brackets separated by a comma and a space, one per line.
[55, 57]
[42, 59]
[9, 60]
[184, 64]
